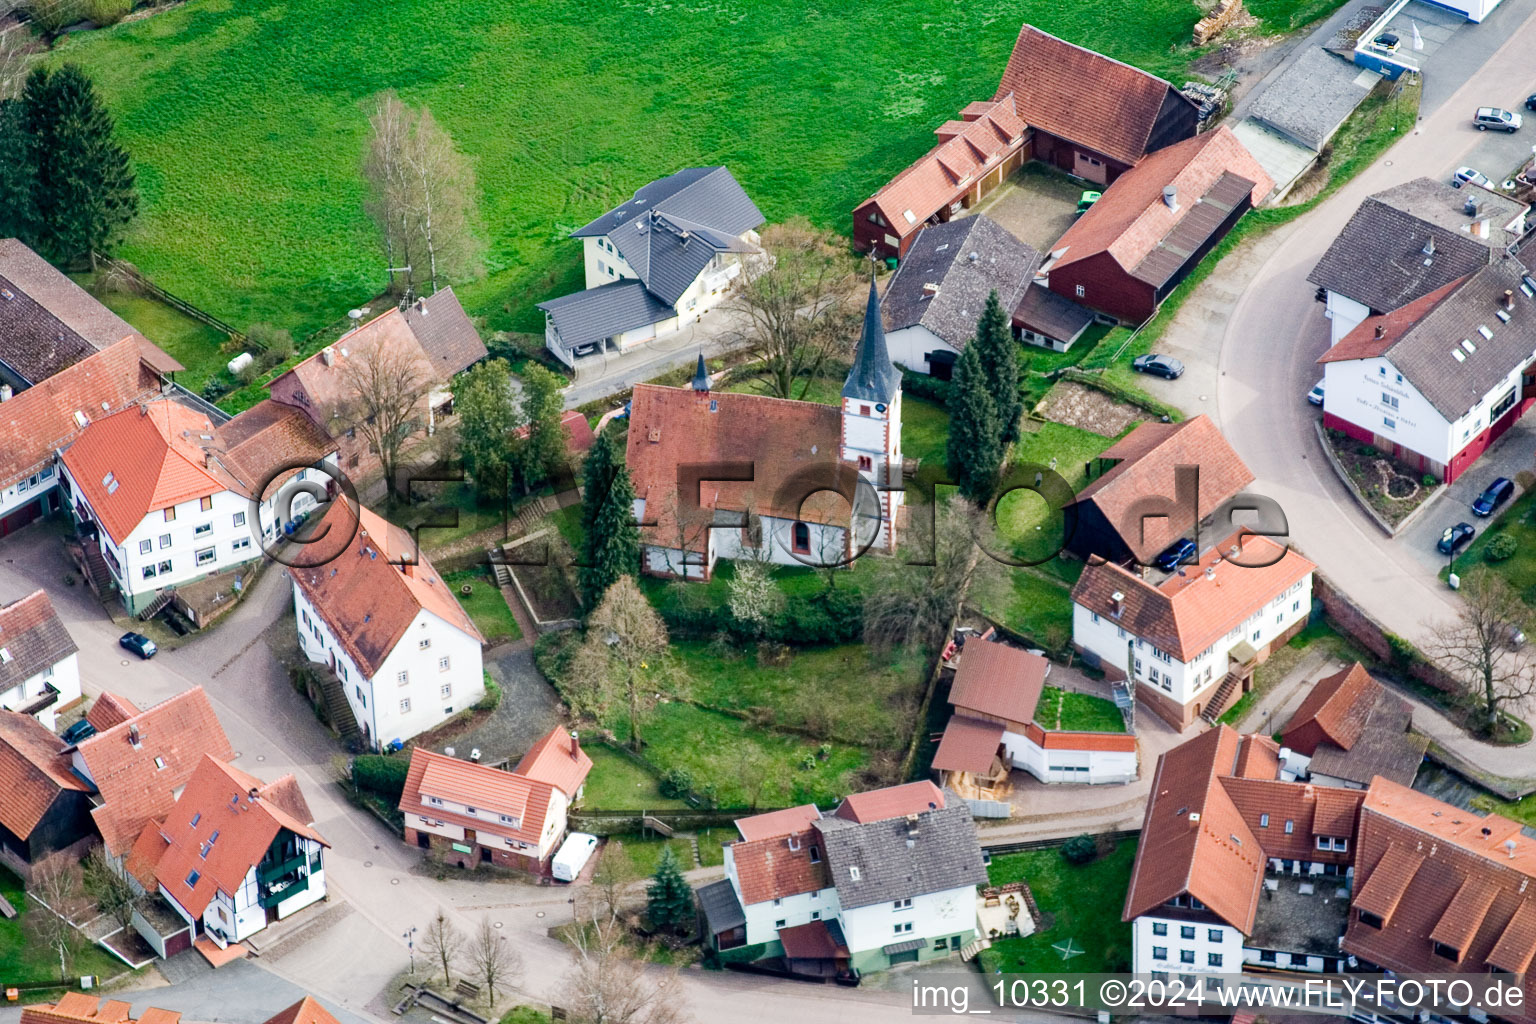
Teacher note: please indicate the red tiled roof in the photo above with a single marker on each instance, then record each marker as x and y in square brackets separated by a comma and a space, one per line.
[1148, 458]
[811, 941]
[40, 420]
[969, 745]
[777, 823]
[1515, 947]
[1187, 614]
[267, 439]
[778, 867]
[999, 679]
[481, 787]
[1259, 758]
[145, 854]
[356, 579]
[326, 386]
[1389, 881]
[669, 427]
[891, 802]
[1083, 96]
[578, 433]
[1339, 704]
[80, 1008]
[33, 772]
[557, 758]
[967, 149]
[219, 797]
[110, 709]
[180, 731]
[1122, 742]
[305, 1011]
[1363, 343]
[1131, 220]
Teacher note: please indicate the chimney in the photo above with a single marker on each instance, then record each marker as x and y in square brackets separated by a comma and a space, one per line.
[5, 392]
[1469, 207]
[328, 355]
[251, 794]
[1119, 600]
[1509, 303]
[930, 290]
[409, 569]
[421, 306]
[1381, 332]
[133, 735]
[575, 746]
[1210, 572]
[1171, 196]
[1429, 246]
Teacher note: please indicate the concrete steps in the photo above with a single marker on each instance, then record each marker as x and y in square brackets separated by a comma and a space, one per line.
[338, 710]
[1218, 702]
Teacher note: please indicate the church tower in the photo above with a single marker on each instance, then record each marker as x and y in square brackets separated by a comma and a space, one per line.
[871, 430]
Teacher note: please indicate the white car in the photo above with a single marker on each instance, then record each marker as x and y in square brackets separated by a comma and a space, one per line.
[1315, 396]
[1465, 175]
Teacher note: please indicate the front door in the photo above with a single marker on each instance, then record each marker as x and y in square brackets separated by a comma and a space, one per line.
[424, 840]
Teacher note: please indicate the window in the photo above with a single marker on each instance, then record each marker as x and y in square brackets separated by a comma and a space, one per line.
[1447, 952]
[1340, 844]
[1369, 919]
[422, 645]
[1159, 928]
[1390, 401]
[241, 544]
[445, 691]
[207, 503]
[165, 541]
[164, 567]
[815, 859]
[1266, 956]
[239, 518]
[1214, 935]
[853, 872]
[159, 764]
[1094, 617]
[902, 904]
[149, 572]
[402, 678]
[170, 514]
[1389, 422]
[436, 801]
[1186, 956]
[1263, 821]
[902, 928]
[442, 664]
[863, 410]
[1213, 959]
[197, 818]
[1324, 843]
[405, 706]
[202, 529]
[866, 463]
[778, 901]
[1159, 952]
[361, 699]
[507, 819]
[779, 923]
[206, 555]
[802, 538]
[941, 943]
[192, 877]
[146, 546]
[815, 915]
[1290, 826]
[1187, 932]
[1081, 291]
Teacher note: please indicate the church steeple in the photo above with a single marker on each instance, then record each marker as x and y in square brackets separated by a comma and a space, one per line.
[873, 377]
[700, 375]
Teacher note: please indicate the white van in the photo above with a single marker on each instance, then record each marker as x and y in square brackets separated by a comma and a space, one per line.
[572, 856]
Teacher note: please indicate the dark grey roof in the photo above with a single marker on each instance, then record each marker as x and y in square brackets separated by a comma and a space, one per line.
[873, 377]
[941, 255]
[904, 946]
[47, 322]
[701, 375]
[1191, 232]
[944, 854]
[1380, 257]
[1436, 201]
[1423, 353]
[722, 910]
[1384, 747]
[33, 637]
[599, 313]
[445, 332]
[1311, 98]
[667, 253]
[1055, 316]
[707, 196]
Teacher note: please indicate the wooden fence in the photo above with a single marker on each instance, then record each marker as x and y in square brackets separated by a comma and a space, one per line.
[143, 284]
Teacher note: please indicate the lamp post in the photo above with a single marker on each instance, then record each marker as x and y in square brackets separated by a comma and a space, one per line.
[410, 944]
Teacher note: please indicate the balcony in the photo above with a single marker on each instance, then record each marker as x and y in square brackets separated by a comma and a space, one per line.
[48, 698]
[272, 872]
[284, 879]
[283, 889]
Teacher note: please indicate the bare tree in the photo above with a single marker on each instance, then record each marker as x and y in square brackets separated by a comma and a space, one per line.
[112, 893]
[913, 606]
[385, 386]
[443, 943]
[1478, 649]
[623, 656]
[13, 62]
[615, 872]
[609, 986]
[57, 896]
[494, 960]
[797, 312]
[422, 196]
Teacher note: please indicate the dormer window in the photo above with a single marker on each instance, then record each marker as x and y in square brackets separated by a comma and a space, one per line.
[1447, 952]
[435, 801]
[853, 872]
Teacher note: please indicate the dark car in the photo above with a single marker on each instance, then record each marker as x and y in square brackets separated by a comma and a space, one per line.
[1455, 538]
[1180, 551]
[1158, 366]
[1530, 103]
[1498, 492]
[81, 730]
[141, 645]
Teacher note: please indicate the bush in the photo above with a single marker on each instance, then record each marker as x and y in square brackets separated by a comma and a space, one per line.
[215, 389]
[1430, 480]
[276, 343]
[492, 694]
[924, 386]
[1404, 654]
[1501, 548]
[250, 371]
[1367, 451]
[380, 774]
[1080, 850]
[50, 16]
[107, 12]
[675, 783]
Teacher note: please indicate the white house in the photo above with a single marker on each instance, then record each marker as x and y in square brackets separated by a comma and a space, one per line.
[170, 497]
[372, 609]
[655, 264]
[1192, 641]
[234, 854]
[1237, 866]
[39, 662]
[1408, 241]
[890, 877]
[1437, 381]
[475, 814]
[784, 479]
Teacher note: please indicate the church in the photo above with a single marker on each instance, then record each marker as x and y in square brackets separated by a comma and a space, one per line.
[724, 475]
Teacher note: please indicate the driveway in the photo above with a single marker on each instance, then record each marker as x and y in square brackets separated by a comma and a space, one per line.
[608, 374]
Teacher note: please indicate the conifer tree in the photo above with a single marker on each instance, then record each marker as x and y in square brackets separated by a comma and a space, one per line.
[669, 900]
[975, 449]
[1000, 357]
[610, 540]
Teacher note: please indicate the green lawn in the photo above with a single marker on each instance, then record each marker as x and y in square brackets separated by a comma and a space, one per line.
[246, 120]
[446, 513]
[1085, 902]
[1077, 712]
[644, 853]
[712, 845]
[486, 605]
[1519, 571]
[833, 691]
[616, 783]
[524, 1015]
[24, 962]
[924, 430]
[717, 748]
[568, 523]
[1034, 605]
[190, 342]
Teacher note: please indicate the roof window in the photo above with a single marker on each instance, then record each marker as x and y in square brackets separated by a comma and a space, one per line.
[192, 877]
[1459, 357]
[1466, 343]
[1485, 332]
[5, 656]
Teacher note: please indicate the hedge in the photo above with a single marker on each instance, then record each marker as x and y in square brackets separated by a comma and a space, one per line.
[380, 774]
[924, 385]
[808, 620]
[739, 955]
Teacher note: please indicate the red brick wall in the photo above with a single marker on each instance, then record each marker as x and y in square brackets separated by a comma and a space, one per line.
[1106, 287]
[1345, 616]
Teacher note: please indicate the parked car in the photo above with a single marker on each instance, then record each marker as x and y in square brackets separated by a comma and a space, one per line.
[1497, 493]
[1530, 102]
[81, 730]
[1158, 366]
[1179, 552]
[589, 349]
[139, 644]
[572, 856]
[1497, 118]
[1466, 175]
[1455, 538]
[1514, 636]
[1315, 396]
[1086, 200]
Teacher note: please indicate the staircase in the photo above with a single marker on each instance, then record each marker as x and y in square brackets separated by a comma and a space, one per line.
[656, 825]
[1218, 702]
[156, 606]
[337, 710]
[976, 946]
[501, 572]
[95, 569]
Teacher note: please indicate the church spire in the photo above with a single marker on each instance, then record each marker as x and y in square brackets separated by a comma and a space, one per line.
[873, 377]
[700, 375]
